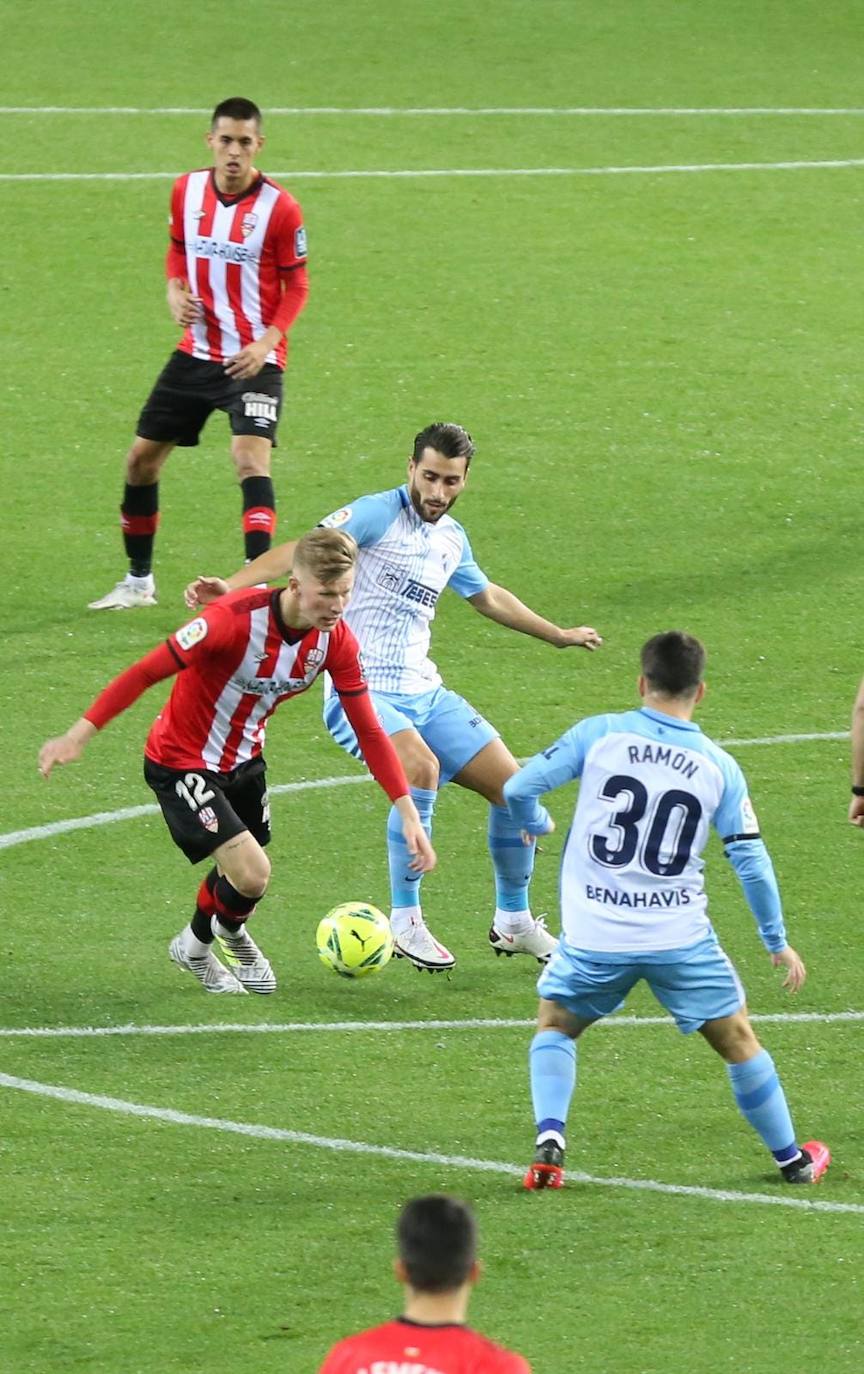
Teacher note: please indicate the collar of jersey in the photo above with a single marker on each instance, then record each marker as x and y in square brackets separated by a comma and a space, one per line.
[288, 632]
[235, 200]
[408, 505]
[674, 722]
[429, 1326]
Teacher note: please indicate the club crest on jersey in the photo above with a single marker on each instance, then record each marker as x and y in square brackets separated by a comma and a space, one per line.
[208, 818]
[339, 517]
[247, 223]
[314, 657]
[190, 635]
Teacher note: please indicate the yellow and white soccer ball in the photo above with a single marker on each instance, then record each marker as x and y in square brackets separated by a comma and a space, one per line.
[354, 940]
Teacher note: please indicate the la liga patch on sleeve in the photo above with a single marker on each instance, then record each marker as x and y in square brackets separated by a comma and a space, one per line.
[190, 635]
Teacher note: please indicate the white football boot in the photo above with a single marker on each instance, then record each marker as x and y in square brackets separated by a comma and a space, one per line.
[537, 941]
[127, 595]
[212, 975]
[249, 966]
[419, 945]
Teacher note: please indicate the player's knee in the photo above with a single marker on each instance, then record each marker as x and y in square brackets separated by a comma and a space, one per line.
[143, 463]
[252, 877]
[423, 770]
[250, 464]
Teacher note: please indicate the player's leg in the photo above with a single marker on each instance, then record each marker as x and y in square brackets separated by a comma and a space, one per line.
[575, 991]
[139, 519]
[174, 413]
[761, 1100]
[231, 891]
[514, 929]
[412, 937]
[204, 824]
[700, 987]
[252, 457]
[254, 408]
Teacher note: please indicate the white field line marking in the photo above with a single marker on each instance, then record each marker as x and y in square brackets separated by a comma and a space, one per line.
[409, 173]
[375, 1027]
[392, 111]
[128, 813]
[175, 1118]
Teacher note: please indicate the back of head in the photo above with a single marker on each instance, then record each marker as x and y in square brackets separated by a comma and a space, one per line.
[452, 441]
[673, 663]
[436, 1237]
[325, 554]
[236, 107]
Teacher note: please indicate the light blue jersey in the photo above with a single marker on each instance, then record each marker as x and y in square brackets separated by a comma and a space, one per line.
[632, 871]
[403, 566]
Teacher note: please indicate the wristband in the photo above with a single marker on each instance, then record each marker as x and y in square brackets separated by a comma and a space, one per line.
[858, 791]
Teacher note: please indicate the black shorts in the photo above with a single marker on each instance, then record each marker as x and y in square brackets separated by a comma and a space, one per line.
[203, 809]
[187, 391]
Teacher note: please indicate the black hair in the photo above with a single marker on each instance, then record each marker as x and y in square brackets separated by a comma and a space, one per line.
[236, 108]
[437, 1240]
[673, 663]
[450, 440]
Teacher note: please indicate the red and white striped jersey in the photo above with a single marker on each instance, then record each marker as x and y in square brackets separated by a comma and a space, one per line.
[240, 661]
[237, 250]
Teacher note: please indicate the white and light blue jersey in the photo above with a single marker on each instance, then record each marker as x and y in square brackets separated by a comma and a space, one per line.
[632, 872]
[403, 566]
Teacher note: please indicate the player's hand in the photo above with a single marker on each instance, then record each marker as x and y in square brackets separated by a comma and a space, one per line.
[582, 637]
[248, 362]
[856, 811]
[544, 827]
[423, 856]
[65, 748]
[204, 590]
[794, 966]
[185, 308]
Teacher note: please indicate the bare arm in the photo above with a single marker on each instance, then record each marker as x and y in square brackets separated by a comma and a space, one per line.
[856, 806]
[268, 567]
[500, 605]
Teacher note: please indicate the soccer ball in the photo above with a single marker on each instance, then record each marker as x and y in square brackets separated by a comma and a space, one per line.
[354, 939]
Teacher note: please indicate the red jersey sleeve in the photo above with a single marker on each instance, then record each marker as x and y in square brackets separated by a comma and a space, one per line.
[175, 259]
[208, 632]
[289, 235]
[343, 665]
[129, 686]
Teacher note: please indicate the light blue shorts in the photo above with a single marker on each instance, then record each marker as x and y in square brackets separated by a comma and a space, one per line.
[453, 730]
[696, 984]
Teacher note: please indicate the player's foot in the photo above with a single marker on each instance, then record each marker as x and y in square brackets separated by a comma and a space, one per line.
[249, 966]
[546, 1170]
[131, 592]
[810, 1166]
[212, 975]
[418, 944]
[536, 941]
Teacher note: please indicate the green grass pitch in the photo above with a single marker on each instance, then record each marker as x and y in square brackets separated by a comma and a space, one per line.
[662, 373]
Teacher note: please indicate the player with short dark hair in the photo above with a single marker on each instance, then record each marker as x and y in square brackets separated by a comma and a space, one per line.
[633, 902]
[234, 664]
[236, 269]
[411, 548]
[436, 1241]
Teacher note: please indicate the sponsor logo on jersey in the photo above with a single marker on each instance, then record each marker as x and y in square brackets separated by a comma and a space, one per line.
[205, 247]
[274, 686]
[612, 896]
[190, 635]
[208, 818]
[339, 517]
[259, 406]
[247, 224]
[300, 242]
[420, 593]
